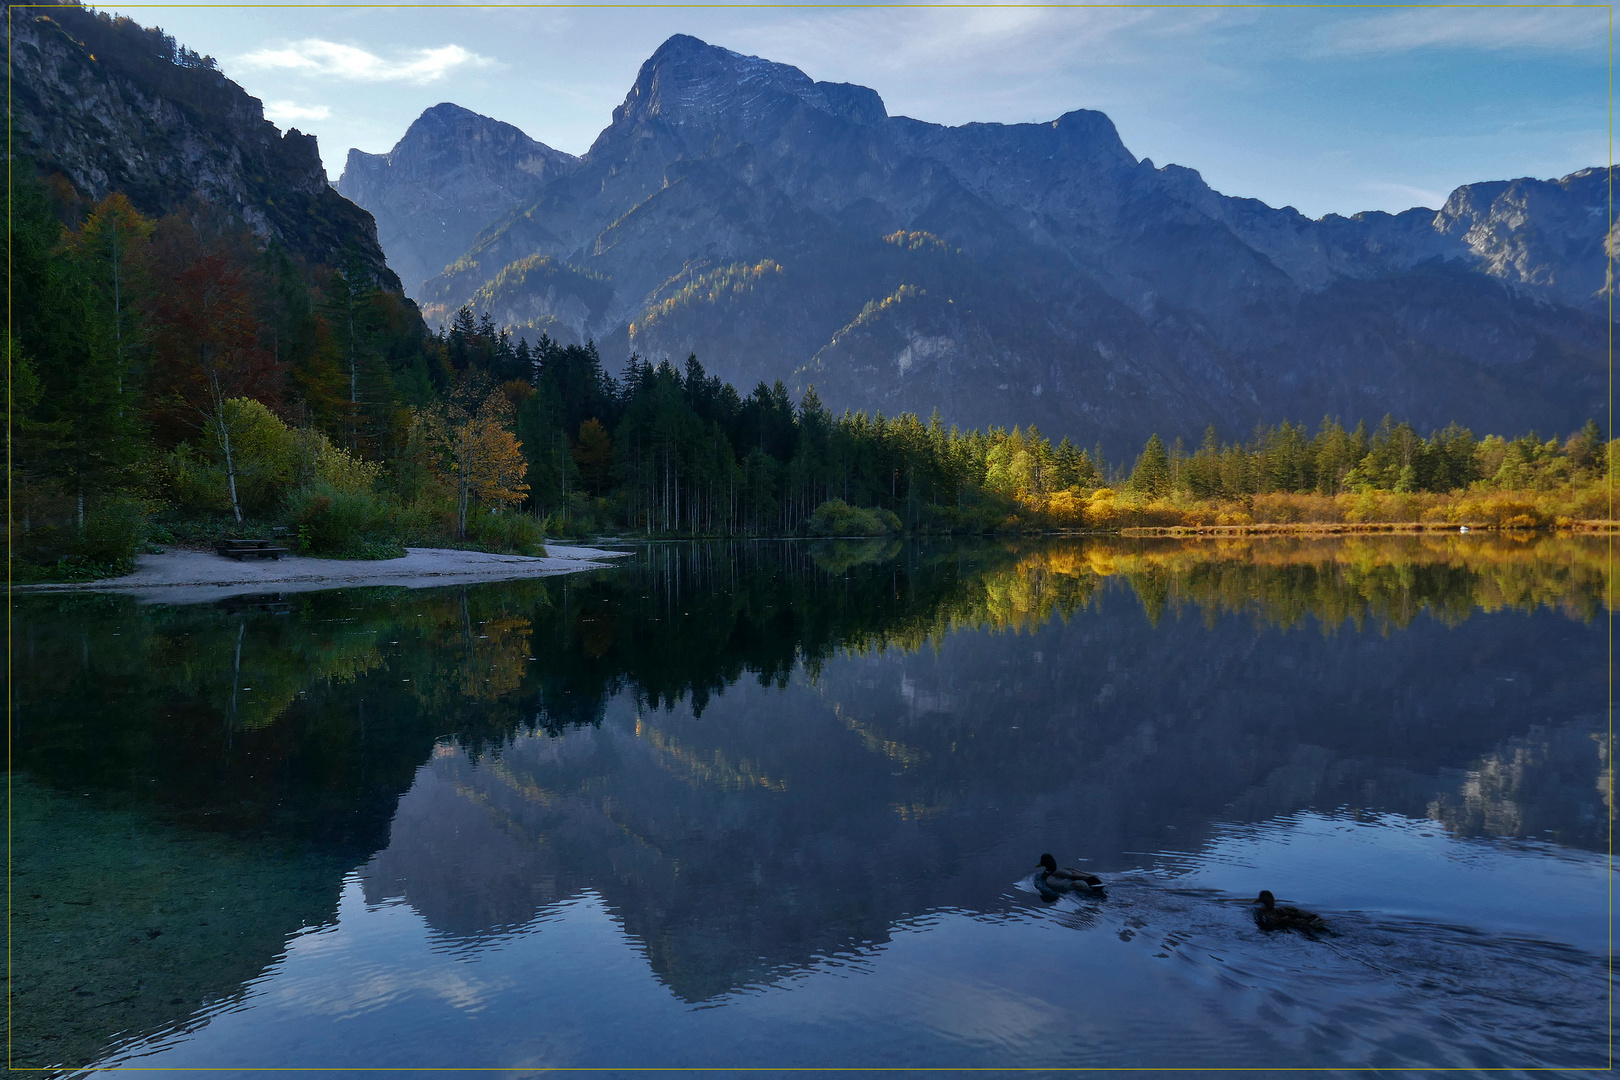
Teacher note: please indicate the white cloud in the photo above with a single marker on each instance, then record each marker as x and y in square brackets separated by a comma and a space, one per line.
[1549, 28]
[285, 112]
[1389, 193]
[312, 56]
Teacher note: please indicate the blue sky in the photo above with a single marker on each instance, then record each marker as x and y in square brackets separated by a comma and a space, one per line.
[1325, 109]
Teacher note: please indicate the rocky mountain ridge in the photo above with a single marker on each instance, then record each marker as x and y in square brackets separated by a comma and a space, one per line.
[786, 228]
[114, 106]
[452, 173]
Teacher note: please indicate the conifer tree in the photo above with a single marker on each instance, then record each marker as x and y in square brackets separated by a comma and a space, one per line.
[1151, 476]
[90, 388]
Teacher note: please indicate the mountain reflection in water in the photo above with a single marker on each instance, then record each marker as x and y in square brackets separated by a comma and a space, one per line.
[757, 758]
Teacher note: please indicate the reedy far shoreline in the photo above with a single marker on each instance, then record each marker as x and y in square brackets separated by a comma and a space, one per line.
[1339, 528]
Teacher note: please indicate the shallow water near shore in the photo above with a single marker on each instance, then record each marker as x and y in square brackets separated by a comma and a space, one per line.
[778, 804]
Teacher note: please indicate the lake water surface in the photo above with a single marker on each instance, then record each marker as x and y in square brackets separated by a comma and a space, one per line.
[777, 804]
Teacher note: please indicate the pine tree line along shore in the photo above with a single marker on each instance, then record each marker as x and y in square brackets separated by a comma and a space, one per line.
[175, 381]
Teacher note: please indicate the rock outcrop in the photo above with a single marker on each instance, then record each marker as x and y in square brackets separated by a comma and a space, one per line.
[1549, 236]
[114, 106]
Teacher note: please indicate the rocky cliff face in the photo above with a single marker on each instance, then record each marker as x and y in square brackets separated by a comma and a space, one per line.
[786, 228]
[114, 106]
[1549, 236]
[451, 174]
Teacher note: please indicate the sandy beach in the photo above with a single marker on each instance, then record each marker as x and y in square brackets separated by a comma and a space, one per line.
[190, 577]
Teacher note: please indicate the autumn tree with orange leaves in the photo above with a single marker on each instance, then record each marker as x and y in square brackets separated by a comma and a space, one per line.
[474, 450]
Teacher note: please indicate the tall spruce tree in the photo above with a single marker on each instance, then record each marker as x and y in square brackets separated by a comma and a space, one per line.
[1151, 476]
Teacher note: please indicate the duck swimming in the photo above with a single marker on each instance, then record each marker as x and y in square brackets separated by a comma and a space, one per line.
[1049, 879]
[1268, 916]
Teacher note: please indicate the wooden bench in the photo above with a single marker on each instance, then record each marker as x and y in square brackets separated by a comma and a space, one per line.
[241, 549]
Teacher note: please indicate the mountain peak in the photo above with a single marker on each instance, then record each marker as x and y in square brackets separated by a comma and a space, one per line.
[449, 123]
[448, 110]
[688, 80]
[449, 135]
[451, 173]
[679, 46]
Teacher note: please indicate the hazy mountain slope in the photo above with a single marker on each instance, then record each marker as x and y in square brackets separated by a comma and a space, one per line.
[785, 228]
[452, 173]
[114, 106]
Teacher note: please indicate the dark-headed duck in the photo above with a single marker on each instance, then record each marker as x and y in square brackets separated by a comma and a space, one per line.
[1049, 879]
[1268, 916]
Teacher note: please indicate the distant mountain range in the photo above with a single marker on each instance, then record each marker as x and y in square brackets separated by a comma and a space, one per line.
[785, 228]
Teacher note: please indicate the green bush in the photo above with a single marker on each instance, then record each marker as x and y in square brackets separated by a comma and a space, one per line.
[584, 517]
[573, 526]
[264, 452]
[194, 484]
[271, 459]
[835, 517]
[345, 524]
[114, 533]
[175, 526]
[427, 519]
[517, 533]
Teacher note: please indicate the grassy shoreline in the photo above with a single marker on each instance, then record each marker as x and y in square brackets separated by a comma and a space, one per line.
[1361, 528]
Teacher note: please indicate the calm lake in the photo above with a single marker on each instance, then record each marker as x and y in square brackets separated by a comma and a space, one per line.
[777, 804]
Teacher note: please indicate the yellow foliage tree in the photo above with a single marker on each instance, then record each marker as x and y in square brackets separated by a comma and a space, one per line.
[1067, 508]
[476, 454]
[497, 465]
[1102, 511]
